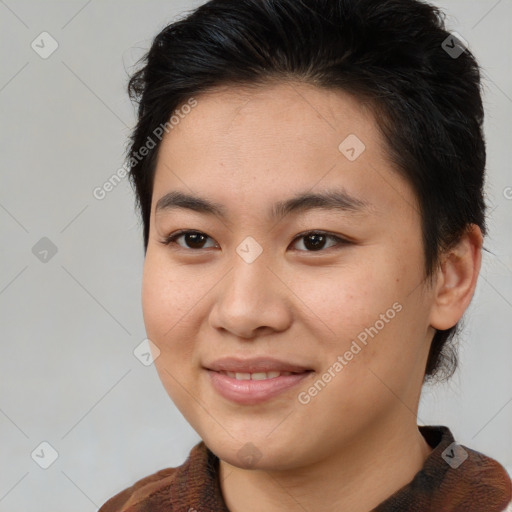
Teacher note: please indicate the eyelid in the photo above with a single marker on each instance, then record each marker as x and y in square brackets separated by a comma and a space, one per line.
[340, 240]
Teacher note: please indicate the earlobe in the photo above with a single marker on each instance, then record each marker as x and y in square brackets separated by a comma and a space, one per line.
[456, 279]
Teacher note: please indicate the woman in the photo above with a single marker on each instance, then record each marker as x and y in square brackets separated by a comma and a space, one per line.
[309, 175]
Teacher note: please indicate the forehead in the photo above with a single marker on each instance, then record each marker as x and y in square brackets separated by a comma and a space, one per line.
[271, 140]
[292, 110]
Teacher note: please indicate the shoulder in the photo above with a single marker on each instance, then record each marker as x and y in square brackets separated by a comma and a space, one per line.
[464, 477]
[139, 491]
[483, 479]
[152, 487]
[453, 478]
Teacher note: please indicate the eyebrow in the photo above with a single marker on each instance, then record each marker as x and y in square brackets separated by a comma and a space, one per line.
[336, 199]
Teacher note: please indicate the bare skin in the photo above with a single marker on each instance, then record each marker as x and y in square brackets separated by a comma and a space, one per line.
[355, 441]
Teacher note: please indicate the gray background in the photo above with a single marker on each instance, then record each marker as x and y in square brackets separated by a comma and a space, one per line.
[70, 324]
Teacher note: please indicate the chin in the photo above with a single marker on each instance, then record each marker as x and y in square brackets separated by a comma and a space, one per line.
[256, 454]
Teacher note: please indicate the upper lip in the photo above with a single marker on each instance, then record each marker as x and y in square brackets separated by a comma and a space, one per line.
[252, 365]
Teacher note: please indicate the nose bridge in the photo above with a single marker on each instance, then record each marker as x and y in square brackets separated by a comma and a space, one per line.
[250, 296]
[248, 283]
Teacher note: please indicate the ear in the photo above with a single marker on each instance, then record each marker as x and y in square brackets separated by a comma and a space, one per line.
[456, 279]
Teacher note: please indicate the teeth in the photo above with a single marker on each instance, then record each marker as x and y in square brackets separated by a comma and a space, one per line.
[272, 375]
[263, 376]
[256, 375]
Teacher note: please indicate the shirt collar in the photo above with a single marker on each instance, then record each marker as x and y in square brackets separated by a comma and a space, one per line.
[453, 478]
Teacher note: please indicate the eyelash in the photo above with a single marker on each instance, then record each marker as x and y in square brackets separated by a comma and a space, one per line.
[171, 239]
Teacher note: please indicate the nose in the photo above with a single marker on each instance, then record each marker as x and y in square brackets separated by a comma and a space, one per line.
[251, 300]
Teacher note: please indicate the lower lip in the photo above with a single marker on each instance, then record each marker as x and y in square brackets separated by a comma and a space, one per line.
[249, 392]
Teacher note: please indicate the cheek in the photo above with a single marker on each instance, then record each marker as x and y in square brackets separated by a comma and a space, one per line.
[167, 297]
[165, 303]
[371, 312]
[156, 300]
[174, 306]
[347, 299]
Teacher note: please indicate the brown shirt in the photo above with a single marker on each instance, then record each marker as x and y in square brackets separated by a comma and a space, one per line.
[454, 478]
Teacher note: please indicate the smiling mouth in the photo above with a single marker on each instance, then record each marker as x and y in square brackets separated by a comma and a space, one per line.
[251, 388]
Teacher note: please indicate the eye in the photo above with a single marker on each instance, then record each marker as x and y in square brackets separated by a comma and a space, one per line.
[315, 241]
[192, 239]
[312, 241]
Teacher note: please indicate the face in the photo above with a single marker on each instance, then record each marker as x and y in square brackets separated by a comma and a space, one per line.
[287, 329]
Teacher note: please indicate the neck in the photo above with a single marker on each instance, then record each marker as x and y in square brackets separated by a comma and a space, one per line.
[356, 478]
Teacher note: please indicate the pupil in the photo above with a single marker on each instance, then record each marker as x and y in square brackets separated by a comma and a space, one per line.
[317, 241]
[194, 239]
